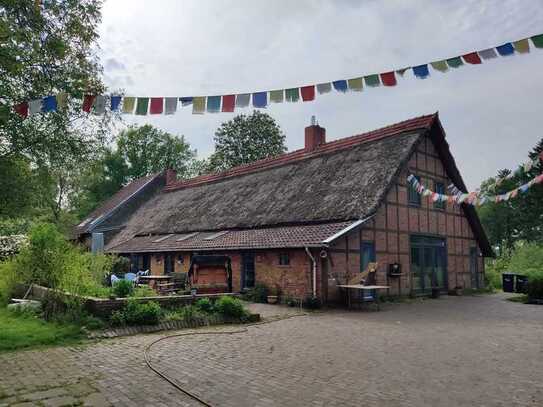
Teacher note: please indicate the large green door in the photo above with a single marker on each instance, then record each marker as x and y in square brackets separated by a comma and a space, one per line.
[428, 264]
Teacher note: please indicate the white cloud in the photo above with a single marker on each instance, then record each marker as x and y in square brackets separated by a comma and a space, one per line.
[491, 113]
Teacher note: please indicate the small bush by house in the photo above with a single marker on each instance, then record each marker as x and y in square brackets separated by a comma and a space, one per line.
[230, 307]
[535, 284]
[123, 288]
[257, 294]
[136, 313]
[205, 305]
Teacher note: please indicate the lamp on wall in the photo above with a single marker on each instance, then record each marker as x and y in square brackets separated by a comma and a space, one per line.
[394, 269]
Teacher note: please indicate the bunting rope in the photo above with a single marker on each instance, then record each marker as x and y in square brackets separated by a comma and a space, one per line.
[97, 104]
[471, 198]
[524, 168]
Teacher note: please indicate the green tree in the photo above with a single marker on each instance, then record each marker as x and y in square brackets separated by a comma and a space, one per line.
[47, 48]
[245, 139]
[147, 150]
[520, 218]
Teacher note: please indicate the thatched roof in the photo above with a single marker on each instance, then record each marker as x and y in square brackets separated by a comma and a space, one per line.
[340, 181]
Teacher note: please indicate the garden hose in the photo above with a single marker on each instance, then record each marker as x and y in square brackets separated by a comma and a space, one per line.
[176, 385]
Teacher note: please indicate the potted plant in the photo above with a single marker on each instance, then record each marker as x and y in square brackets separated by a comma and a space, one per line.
[273, 295]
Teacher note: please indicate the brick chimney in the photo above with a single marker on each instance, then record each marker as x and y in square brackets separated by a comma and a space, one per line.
[315, 135]
[171, 176]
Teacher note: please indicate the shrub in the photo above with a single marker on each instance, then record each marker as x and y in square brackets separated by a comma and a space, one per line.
[230, 307]
[291, 301]
[144, 292]
[120, 265]
[205, 305]
[187, 313]
[527, 257]
[312, 303]
[535, 284]
[8, 281]
[123, 288]
[135, 313]
[257, 294]
[493, 271]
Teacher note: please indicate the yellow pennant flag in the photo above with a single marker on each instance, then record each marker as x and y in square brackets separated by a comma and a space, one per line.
[128, 104]
[62, 100]
[198, 105]
[522, 46]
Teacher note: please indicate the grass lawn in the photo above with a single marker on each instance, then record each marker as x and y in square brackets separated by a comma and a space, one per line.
[25, 331]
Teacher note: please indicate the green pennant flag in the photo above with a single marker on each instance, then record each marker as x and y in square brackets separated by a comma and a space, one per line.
[292, 95]
[372, 80]
[440, 66]
[355, 84]
[538, 40]
[142, 106]
[455, 62]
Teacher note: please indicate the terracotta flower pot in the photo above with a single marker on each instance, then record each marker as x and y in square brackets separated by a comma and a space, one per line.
[272, 299]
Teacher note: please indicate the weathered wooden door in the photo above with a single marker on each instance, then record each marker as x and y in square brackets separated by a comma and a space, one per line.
[248, 270]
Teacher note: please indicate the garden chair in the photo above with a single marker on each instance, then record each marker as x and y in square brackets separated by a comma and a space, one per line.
[130, 277]
[114, 279]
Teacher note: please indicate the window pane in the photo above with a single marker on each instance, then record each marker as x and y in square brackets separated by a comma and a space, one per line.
[368, 255]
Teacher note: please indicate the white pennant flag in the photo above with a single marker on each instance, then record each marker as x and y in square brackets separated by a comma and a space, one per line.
[34, 106]
[100, 104]
[170, 105]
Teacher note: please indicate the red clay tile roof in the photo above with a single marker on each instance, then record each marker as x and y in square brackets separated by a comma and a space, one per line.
[265, 238]
[112, 203]
[417, 123]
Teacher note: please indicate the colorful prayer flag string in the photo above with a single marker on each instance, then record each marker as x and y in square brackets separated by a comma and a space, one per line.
[472, 198]
[261, 99]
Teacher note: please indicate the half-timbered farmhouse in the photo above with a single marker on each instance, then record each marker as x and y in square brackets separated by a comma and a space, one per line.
[307, 220]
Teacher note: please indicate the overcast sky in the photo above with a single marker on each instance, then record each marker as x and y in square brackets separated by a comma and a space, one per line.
[492, 113]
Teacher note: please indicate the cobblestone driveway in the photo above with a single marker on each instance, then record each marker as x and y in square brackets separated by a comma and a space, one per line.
[465, 351]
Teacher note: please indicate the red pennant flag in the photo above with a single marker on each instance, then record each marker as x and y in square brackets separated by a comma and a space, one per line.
[388, 79]
[88, 101]
[308, 93]
[157, 106]
[472, 58]
[228, 103]
[21, 109]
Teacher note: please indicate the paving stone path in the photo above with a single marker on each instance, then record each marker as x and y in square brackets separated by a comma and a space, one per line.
[455, 351]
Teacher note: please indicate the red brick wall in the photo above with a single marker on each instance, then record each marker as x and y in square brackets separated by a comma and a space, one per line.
[395, 220]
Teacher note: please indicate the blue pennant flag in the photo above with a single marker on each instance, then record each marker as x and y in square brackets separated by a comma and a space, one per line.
[49, 104]
[115, 102]
[506, 49]
[185, 101]
[340, 86]
[260, 99]
[421, 71]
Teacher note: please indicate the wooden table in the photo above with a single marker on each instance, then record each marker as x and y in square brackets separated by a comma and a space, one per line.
[153, 281]
[372, 288]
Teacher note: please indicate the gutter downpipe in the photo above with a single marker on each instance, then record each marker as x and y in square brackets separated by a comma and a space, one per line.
[314, 270]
